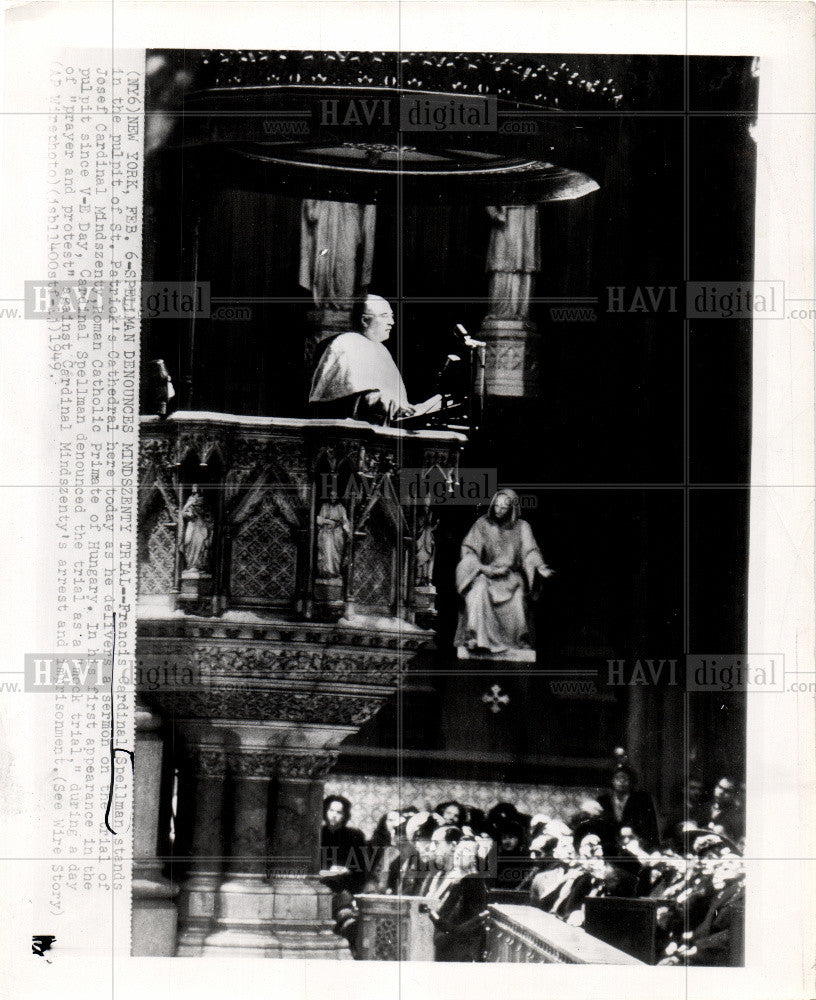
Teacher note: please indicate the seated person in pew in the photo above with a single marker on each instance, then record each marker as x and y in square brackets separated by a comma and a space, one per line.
[409, 872]
[343, 863]
[512, 852]
[711, 875]
[387, 849]
[592, 873]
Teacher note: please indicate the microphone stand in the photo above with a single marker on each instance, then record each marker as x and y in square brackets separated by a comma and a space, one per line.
[476, 358]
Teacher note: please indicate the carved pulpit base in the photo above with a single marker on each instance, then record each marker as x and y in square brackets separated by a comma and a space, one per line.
[282, 917]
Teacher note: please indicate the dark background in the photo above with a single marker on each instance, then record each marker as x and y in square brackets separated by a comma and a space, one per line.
[633, 460]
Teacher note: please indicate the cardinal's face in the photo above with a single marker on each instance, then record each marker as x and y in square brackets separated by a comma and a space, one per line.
[378, 319]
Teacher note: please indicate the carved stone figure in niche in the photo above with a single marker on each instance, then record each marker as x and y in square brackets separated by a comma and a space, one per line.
[333, 530]
[336, 251]
[499, 569]
[198, 529]
[513, 257]
[160, 387]
[425, 549]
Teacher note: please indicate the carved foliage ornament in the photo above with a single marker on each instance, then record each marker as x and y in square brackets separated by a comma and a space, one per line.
[261, 661]
[263, 762]
[351, 709]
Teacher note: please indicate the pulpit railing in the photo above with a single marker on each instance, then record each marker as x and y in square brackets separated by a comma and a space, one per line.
[301, 517]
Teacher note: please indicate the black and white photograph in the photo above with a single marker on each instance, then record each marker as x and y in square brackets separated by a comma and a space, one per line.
[408, 491]
[443, 510]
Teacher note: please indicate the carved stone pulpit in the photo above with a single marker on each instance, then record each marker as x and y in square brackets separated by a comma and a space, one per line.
[262, 684]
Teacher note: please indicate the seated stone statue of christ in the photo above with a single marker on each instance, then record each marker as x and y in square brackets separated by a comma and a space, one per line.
[356, 375]
[498, 569]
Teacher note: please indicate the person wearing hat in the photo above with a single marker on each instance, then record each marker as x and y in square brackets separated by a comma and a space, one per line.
[511, 845]
[409, 873]
[592, 874]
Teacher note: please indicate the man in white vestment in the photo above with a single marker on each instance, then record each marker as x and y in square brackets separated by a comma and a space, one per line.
[356, 376]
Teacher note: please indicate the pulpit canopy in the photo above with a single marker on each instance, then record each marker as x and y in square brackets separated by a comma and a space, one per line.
[372, 127]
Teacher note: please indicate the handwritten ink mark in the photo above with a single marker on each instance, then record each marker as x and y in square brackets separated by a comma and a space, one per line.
[112, 750]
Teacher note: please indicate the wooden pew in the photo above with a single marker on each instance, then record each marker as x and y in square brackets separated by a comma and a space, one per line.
[628, 924]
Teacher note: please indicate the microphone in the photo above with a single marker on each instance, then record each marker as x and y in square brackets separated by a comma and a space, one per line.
[449, 360]
[469, 341]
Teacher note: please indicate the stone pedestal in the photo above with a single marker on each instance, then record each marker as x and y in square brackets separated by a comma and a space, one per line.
[154, 915]
[509, 656]
[244, 903]
[195, 583]
[270, 902]
[511, 357]
[425, 606]
[199, 891]
[328, 597]
[263, 725]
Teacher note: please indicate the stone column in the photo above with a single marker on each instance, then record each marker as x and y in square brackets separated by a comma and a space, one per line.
[513, 260]
[154, 915]
[245, 900]
[303, 921]
[197, 900]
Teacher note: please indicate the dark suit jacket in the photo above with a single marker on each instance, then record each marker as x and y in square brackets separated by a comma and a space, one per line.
[458, 934]
[344, 847]
[616, 882]
[638, 813]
